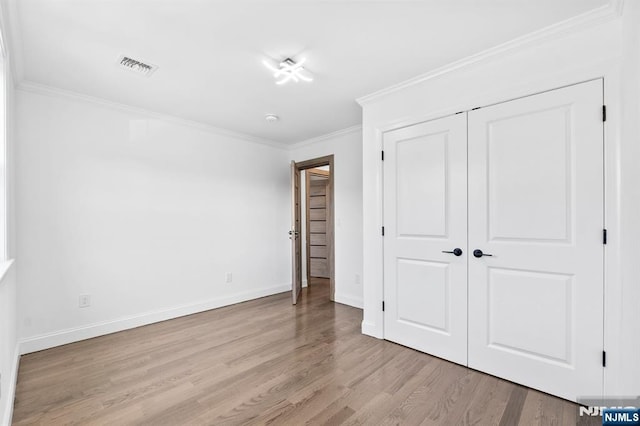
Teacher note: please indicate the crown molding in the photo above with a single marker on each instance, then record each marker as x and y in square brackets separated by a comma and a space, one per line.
[3, 25]
[12, 38]
[28, 86]
[599, 15]
[325, 137]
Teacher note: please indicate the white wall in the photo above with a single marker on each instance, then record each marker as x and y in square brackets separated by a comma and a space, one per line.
[144, 214]
[563, 55]
[625, 320]
[347, 150]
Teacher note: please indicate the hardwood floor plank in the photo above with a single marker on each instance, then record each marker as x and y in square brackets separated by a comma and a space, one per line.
[513, 410]
[372, 412]
[266, 362]
[336, 418]
[488, 404]
[429, 399]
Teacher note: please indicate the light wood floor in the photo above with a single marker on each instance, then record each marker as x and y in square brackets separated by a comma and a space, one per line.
[266, 362]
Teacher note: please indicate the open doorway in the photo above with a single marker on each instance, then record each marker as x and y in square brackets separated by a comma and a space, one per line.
[315, 209]
[312, 224]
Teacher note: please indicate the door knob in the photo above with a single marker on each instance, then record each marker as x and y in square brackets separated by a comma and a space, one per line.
[478, 253]
[456, 251]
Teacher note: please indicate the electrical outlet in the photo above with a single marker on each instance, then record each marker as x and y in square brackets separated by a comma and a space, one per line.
[84, 301]
[228, 277]
[357, 278]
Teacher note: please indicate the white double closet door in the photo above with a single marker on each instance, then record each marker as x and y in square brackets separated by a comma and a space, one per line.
[521, 184]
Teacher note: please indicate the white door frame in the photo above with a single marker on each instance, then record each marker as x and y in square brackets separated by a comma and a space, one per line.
[327, 160]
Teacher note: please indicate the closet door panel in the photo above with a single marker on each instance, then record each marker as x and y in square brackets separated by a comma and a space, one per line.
[536, 207]
[425, 211]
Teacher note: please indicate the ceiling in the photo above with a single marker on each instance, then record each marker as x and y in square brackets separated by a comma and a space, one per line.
[209, 53]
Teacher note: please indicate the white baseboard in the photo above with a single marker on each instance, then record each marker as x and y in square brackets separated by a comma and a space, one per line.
[70, 335]
[11, 391]
[355, 302]
[370, 329]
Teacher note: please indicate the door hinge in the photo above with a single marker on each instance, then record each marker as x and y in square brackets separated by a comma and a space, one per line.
[604, 113]
[382, 155]
[604, 236]
[604, 358]
[383, 306]
[383, 231]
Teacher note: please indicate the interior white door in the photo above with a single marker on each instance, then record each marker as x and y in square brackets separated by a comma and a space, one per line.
[536, 212]
[425, 215]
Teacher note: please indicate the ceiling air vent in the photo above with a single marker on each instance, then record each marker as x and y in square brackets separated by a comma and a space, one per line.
[137, 66]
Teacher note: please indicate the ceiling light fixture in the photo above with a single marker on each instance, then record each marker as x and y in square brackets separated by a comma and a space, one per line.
[136, 66]
[271, 118]
[289, 70]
